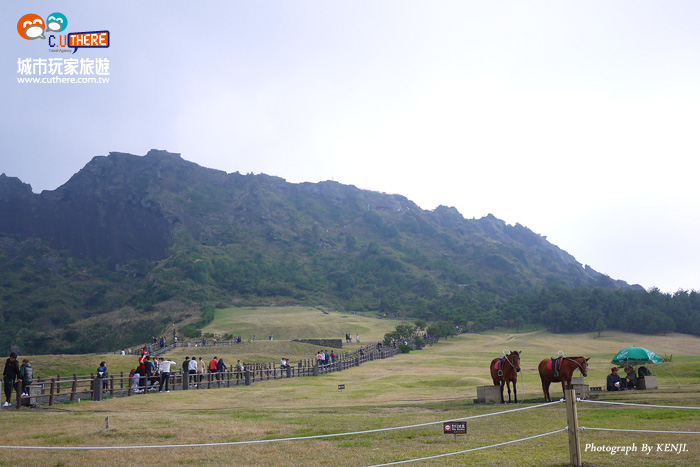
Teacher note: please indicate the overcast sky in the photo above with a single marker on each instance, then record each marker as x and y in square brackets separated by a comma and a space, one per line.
[576, 119]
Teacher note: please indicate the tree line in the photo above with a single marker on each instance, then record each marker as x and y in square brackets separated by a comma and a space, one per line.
[562, 310]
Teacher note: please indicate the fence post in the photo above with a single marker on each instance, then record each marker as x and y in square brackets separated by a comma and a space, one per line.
[572, 421]
[74, 388]
[247, 377]
[96, 388]
[111, 385]
[121, 380]
[53, 384]
[19, 393]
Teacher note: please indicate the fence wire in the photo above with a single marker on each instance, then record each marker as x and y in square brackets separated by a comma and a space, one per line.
[276, 440]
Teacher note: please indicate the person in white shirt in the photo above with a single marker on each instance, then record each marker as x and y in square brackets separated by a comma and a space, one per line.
[192, 367]
[165, 373]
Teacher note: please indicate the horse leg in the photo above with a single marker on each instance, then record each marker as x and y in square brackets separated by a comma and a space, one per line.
[502, 400]
[515, 391]
[545, 390]
[508, 384]
[563, 387]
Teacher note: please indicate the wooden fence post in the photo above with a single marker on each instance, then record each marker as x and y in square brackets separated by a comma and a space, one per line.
[53, 384]
[74, 388]
[572, 421]
[19, 394]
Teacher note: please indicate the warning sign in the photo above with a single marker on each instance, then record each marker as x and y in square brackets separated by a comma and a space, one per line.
[457, 427]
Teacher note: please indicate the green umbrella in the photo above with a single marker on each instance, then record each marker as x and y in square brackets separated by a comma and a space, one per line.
[636, 356]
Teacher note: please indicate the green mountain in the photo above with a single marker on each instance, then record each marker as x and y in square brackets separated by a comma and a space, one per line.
[133, 245]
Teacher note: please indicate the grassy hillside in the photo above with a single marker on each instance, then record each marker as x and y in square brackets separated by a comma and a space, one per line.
[287, 323]
[154, 241]
[437, 383]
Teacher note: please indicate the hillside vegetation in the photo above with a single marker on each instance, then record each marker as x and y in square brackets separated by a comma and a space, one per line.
[131, 246]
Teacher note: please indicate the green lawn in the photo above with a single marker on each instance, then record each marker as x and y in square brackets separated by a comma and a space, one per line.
[437, 383]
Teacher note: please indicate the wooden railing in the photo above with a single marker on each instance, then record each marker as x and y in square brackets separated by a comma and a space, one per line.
[69, 389]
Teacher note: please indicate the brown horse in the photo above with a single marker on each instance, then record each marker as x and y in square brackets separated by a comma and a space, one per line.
[505, 372]
[568, 366]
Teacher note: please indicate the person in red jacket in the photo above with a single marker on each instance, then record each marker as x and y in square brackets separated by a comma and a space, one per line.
[143, 371]
[214, 367]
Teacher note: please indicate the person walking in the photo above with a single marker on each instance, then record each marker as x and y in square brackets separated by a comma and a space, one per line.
[9, 377]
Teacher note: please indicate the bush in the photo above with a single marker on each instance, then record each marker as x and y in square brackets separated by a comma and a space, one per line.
[419, 342]
[404, 348]
[191, 331]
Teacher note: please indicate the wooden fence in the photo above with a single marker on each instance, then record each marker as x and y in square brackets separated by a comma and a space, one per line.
[62, 389]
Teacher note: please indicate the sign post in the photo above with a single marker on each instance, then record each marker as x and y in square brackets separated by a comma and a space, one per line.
[341, 387]
[455, 428]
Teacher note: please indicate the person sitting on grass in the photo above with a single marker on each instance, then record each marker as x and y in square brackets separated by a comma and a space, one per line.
[613, 382]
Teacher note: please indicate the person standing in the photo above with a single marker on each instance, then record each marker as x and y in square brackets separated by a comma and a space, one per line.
[193, 369]
[221, 369]
[102, 374]
[9, 377]
[186, 367]
[239, 370]
[214, 368]
[165, 373]
[143, 380]
[201, 369]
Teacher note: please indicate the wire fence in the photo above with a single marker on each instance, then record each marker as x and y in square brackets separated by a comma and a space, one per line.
[298, 438]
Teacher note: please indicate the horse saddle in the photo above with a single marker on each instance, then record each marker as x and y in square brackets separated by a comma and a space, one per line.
[554, 364]
[499, 365]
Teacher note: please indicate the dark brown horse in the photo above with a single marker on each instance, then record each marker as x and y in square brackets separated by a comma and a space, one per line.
[568, 366]
[504, 370]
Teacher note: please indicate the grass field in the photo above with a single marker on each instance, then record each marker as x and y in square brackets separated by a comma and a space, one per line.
[435, 384]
